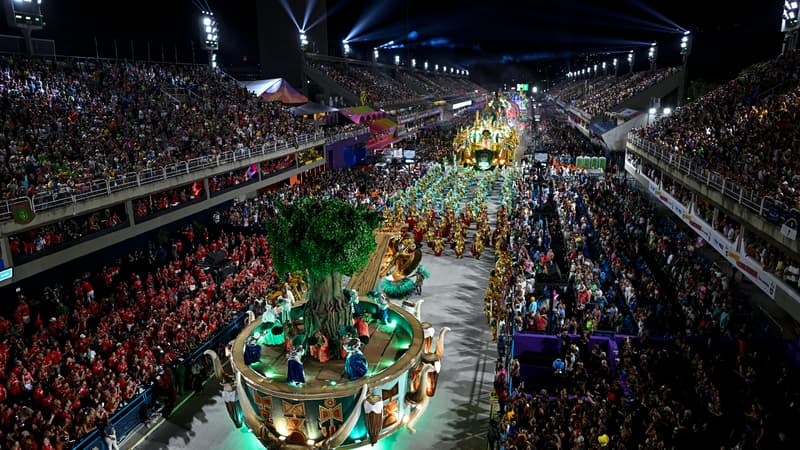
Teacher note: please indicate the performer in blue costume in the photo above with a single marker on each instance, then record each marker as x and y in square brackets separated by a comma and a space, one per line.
[355, 366]
[296, 375]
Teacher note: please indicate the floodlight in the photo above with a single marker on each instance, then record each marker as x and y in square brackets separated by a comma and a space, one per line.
[652, 111]
[425, 65]
[444, 69]
[413, 62]
[604, 65]
[210, 31]
[535, 89]
[789, 17]
[303, 40]
[667, 110]
[346, 48]
[615, 62]
[436, 68]
[375, 54]
[397, 59]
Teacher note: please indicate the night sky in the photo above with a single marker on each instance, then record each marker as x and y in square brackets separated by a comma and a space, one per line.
[495, 40]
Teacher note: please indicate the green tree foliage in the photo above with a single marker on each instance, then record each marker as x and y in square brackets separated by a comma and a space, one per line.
[322, 236]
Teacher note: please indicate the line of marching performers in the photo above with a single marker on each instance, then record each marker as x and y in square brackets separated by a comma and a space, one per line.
[436, 211]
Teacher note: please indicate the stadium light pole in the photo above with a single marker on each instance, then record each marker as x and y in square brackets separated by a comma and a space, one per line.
[790, 25]
[25, 15]
[210, 32]
[630, 62]
[686, 49]
[346, 50]
[652, 55]
[303, 40]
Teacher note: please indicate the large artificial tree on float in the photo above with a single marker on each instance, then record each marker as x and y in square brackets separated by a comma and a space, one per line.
[324, 239]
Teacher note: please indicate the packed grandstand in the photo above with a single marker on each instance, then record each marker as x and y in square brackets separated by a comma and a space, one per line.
[694, 364]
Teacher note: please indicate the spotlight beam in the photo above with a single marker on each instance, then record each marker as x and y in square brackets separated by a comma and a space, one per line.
[288, 10]
[371, 15]
[656, 14]
[309, 7]
[331, 11]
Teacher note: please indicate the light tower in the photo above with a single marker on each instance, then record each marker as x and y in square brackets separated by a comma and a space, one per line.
[303, 40]
[630, 62]
[790, 25]
[25, 15]
[375, 54]
[616, 68]
[346, 50]
[652, 55]
[210, 32]
[686, 49]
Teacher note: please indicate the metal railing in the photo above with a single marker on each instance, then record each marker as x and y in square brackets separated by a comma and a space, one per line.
[761, 205]
[339, 137]
[43, 201]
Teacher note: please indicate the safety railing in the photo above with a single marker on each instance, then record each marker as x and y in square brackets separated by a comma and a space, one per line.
[761, 205]
[43, 201]
[339, 137]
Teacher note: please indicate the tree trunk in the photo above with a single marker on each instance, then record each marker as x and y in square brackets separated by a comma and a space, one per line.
[327, 310]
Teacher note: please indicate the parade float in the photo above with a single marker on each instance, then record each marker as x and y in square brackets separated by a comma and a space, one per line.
[492, 139]
[307, 378]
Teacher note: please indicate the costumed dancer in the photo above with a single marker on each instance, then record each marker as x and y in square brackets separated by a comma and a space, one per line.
[352, 297]
[296, 375]
[459, 246]
[271, 327]
[362, 329]
[383, 304]
[318, 346]
[231, 403]
[438, 246]
[252, 350]
[477, 247]
[355, 366]
[285, 302]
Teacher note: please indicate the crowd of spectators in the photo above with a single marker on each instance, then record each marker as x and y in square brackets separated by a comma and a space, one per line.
[637, 274]
[68, 123]
[382, 89]
[40, 241]
[761, 251]
[158, 202]
[744, 130]
[72, 355]
[606, 96]
[564, 140]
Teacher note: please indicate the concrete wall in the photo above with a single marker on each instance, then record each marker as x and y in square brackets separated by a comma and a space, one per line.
[68, 254]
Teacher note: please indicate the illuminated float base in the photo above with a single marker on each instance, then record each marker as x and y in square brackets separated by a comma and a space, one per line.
[329, 410]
